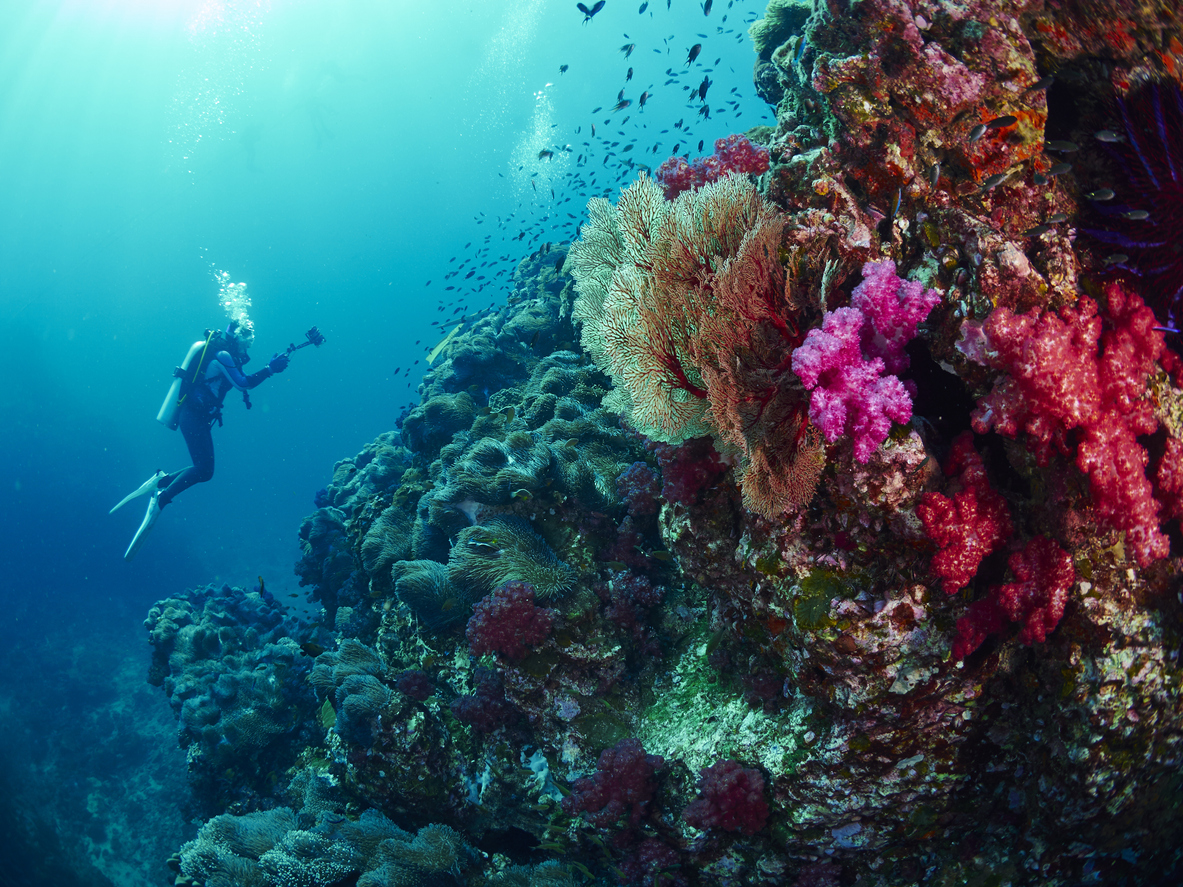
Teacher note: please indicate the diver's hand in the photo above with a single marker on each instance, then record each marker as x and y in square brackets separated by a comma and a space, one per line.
[278, 363]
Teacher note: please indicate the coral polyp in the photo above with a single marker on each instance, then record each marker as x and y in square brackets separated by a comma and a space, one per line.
[1145, 223]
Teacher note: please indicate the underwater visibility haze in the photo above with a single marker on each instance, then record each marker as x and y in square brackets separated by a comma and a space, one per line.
[682, 442]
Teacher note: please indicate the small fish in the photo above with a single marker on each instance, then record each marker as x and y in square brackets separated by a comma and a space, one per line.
[1040, 179]
[1101, 194]
[800, 50]
[661, 556]
[1056, 218]
[694, 51]
[644, 6]
[1135, 215]
[563, 69]
[616, 566]
[1059, 169]
[311, 648]
[628, 76]
[706, 7]
[703, 87]
[1116, 259]
[262, 588]
[546, 154]
[977, 132]
[1107, 135]
[1002, 122]
[628, 48]
[523, 494]
[1041, 84]
[1061, 145]
[509, 413]
[995, 180]
[934, 174]
[1037, 231]
[622, 104]
[588, 14]
[571, 442]
[644, 98]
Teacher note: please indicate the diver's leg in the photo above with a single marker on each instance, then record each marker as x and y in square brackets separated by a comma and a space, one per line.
[199, 438]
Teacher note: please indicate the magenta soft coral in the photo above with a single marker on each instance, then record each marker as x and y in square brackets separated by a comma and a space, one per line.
[508, 622]
[730, 797]
[968, 526]
[843, 363]
[1079, 370]
[623, 785]
[1043, 577]
[732, 154]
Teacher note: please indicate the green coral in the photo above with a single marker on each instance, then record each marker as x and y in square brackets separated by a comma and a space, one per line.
[504, 549]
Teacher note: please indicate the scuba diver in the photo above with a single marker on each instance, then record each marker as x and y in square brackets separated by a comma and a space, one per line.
[212, 367]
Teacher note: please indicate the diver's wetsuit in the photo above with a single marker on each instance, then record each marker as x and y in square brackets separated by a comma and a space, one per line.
[202, 406]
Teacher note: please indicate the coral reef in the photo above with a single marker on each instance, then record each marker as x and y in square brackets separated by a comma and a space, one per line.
[662, 582]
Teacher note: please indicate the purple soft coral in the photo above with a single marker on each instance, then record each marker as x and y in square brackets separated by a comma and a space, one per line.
[843, 363]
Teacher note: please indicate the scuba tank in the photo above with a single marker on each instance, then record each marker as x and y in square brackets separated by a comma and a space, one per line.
[185, 375]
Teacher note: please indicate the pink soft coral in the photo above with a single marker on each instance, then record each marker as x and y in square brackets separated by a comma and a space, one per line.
[844, 362]
[730, 797]
[1069, 371]
[970, 525]
[732, 154]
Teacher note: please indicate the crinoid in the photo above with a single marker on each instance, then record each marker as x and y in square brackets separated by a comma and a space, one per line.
[1144, 222]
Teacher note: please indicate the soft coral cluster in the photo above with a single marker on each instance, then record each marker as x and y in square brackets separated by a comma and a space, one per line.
[624, 783]
[1073, 371]
[968, 526]
[843, 363]
[732, 154]
[508, 622]
[1043, 575]
[730, 797]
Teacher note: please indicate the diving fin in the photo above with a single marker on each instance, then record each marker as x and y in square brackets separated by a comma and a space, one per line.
[147, 524]
[148, 486]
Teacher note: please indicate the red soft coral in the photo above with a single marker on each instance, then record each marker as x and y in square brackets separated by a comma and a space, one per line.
[1063, 374]
[730, 797]
[971, 525]
[1043, 576]
[507, 622]
[625, 782]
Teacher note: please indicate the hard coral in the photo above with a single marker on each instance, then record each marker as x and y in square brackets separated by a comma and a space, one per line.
[507, 622]
[970, 525]
[1068, 371]
[732, 154]
[623, 786]
[730, 797]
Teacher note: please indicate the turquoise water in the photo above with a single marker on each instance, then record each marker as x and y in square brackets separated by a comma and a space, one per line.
[334, 157]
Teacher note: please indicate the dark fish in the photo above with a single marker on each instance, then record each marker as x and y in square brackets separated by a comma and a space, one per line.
[628, 76]
[995, 180]
[1056, 218]
[1116, 259]
[694, 51]
[703, 87]
[644, 6]
[616, 565]
[628, 48]
[563, 69]
[311, 648]
[589, 13]
[1136, 215]
[661, 555]
[644, 98]
[1002, 122]
[706, 7]
[704, 111]
[1037, 231]
[622, 104]
[1107, 135]
[977, 132]
[934, 174]
[545, 154]
[1041, 84]
[1059, 169]
[1062, 146]
[700, 144]
[1101, 194]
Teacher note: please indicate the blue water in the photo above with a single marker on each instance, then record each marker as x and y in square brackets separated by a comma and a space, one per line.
[334, 156]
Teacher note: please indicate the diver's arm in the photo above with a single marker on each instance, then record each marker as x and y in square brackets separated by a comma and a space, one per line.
[224, 364]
